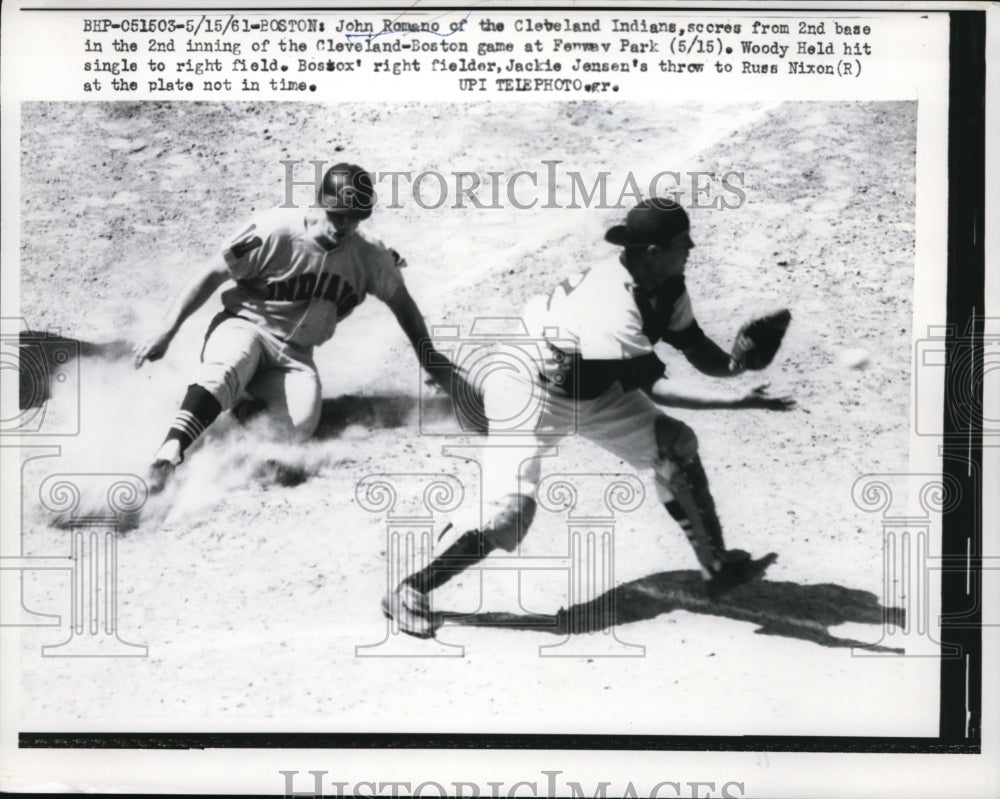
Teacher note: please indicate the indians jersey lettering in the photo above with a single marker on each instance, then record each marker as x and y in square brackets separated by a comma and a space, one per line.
[614, 327]
[297, 288]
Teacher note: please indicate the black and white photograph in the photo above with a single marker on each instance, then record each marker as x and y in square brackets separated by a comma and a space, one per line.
[367, 440]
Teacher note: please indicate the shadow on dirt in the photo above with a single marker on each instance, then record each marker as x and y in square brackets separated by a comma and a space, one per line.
[787, 609]
[45, 357]
[374, 412]
[383, 412]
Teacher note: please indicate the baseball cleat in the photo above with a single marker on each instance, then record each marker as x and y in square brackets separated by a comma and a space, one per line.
[736, 571]
[410, 609]
[159, 475]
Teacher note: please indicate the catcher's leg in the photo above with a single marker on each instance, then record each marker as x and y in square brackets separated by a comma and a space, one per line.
[632, 426]
[622, 422]
[504, 531]
[511, 473]
[683, 488]
[409, 605]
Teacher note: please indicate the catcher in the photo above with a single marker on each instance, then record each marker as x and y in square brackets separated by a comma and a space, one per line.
[294, 278]
[606, 387]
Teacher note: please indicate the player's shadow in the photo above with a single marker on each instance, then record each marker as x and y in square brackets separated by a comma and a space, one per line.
[44, 357]
[379, 412]
[805, 612]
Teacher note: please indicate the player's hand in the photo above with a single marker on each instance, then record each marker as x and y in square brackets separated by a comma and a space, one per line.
[154, 349]
[440, 369]
[759, 397]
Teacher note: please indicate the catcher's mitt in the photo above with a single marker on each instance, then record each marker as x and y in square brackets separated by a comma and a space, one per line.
[758, 340]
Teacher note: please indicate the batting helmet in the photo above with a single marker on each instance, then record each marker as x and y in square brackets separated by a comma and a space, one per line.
[347, 189]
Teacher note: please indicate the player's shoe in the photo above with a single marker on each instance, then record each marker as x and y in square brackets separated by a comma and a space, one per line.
[159, 475]
[737, 570]
[410, 609]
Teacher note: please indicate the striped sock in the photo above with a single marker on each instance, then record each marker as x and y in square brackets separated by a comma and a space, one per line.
[197, 412]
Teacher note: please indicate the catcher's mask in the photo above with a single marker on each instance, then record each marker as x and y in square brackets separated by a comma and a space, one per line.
[653, 221]
[348, 190]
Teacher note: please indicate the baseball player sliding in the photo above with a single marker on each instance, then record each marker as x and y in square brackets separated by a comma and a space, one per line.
[606, 387]
[295, 278]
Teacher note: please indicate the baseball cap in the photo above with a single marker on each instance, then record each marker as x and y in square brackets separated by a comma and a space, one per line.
[653, 221]
[347, 189]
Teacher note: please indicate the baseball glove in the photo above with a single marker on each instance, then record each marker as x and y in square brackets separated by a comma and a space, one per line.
[759, 340]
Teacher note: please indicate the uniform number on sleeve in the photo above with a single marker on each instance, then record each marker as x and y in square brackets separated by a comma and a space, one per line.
[568, 286]
[245, 245]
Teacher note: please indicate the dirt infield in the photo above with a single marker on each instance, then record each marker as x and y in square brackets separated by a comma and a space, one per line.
[255, 580]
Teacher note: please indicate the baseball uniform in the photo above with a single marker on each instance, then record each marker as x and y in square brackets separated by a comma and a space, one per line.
[596, 333]
[291, 292]
[585, 384]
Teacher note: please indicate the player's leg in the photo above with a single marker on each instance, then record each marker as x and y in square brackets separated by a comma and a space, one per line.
[683, 488]
[231, 355]
[291, 395]
[511, 469]
[409, 603]
[633, 427]
[505, 530]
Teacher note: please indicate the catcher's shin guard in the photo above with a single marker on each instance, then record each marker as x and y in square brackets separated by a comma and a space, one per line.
[694, 510]
[470, 548]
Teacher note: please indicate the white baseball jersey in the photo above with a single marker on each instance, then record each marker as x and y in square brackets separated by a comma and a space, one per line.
[293, 286]
[612, 327]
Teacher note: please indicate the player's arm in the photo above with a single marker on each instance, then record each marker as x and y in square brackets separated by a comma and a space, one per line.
[411, 320]
[678, 395]
[710, 359]
[195, 293]
[685, 334]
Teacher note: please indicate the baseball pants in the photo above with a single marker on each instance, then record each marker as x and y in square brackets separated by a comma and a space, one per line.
[627, 424]
[240, 356]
